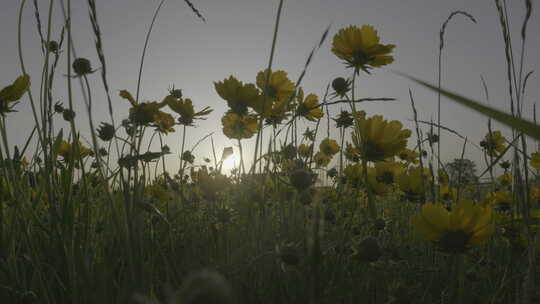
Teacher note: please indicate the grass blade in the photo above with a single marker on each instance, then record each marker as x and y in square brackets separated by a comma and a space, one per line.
[527, 127]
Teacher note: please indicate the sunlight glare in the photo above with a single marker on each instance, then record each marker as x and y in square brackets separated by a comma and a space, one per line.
[229, 163]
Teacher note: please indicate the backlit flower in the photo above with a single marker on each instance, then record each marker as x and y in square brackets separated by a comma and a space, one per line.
[321, 159]
[414, 183]
[505, 180]
[184, 107]
[239, 96]
[409, 156]
[277, 112]
[535, 160]
[447, 193]
[457, 230]
[386, 172]
[534, 193]
[351, 153]
[13, 92]
[279, 85]
[329, 147]
[68, 152]
[239, 126]
[305, 150]
[309, 108]
[163, 122]
[379, 139]
[443, 177]
[493, 143]
[500, 200]
[360, 48]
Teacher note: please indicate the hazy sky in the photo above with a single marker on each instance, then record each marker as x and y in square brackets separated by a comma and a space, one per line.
[236, 40]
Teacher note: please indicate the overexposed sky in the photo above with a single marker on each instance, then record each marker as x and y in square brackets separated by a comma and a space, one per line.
[236, 40]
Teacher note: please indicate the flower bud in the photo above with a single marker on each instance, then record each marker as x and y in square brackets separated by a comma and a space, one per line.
[58, 108]
[52, 46]
[106, 131]
[301, 179]
[340, 86]
[82, 66]
[187, 156]
[68, 115]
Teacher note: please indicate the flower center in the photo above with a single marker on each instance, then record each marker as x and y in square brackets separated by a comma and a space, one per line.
[386, 178]
[455, 241]
[361, 58]
[372, 152]
[271, 92]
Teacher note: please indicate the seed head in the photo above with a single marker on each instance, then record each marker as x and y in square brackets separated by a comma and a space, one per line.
[82, 66]
[341, 86]
[68, 115]
[106, 131]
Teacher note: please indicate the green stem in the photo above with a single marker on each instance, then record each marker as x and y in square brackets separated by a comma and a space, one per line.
[241, 157]
[371, 203]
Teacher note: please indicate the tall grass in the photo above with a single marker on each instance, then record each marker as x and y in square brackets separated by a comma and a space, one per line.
[93, 225]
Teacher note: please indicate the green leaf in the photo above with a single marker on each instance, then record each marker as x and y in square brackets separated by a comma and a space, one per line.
[16, 90]
[521, 125]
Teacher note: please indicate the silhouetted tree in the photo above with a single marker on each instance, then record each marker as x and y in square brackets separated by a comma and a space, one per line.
[461, 172]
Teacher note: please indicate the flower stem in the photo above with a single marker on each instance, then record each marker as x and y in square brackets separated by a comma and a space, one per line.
[371, 203]
[241, 157]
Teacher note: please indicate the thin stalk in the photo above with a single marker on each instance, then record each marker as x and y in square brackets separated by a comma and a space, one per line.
[258, 140]
[146, 40]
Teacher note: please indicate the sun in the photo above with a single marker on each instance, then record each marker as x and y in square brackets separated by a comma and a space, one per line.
[229, 163]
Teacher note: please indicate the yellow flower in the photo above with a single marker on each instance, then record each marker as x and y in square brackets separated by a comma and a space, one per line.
[184, 107]
[239, 126]
[67, 151]
[354, 175]
[534, 193]
[515, 230]
[329, 147]
[443, 178]
[239, 96]
[380, 179]
[447, 193]
[379, 139]
[376, 183]
[457, 230]
[500, 200]
[321, 159]
[387, 172]
[309, 107]
[145, 113]
[279, 86]
[210, 184]
[351, 153]
[535, 160]
[305, 150]
[13, 92]
[493, 143]
[360, 48]
[412, 183]
[164, 122]
[159, 192]
[505, 180]
[409, 156]
[127, 96]
[276, 112]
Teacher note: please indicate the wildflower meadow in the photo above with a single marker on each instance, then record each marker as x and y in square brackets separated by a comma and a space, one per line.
[313, 199]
